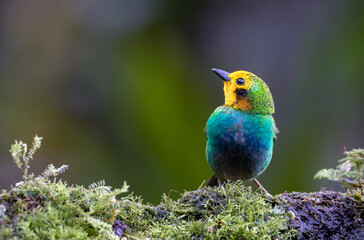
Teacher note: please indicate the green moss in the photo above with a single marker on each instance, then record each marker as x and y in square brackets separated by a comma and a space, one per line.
[43, 207]
[231, 211]
[31, 211]
[46, 208]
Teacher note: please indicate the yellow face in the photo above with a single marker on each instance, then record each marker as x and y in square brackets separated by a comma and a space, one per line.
[236, 90]
[245, 91]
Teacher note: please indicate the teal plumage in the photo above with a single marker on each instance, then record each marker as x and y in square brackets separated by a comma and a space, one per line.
[240, 144]
[240, 134]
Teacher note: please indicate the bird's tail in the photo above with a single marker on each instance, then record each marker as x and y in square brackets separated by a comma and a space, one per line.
[213, 181]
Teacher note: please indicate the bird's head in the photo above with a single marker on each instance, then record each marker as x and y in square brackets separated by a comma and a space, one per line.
[247, 92]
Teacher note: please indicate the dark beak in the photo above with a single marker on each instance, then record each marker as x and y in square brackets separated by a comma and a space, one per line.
[222, 74]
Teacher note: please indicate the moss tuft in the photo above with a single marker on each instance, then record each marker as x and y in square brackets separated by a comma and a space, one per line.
[231, 211]
[42, 208]
[349, 173]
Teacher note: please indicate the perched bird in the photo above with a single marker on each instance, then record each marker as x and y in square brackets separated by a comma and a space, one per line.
[241, 133]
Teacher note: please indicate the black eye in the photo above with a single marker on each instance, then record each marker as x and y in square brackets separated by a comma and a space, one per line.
[240, 81]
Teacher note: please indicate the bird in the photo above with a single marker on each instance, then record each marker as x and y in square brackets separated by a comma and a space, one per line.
[241, 133]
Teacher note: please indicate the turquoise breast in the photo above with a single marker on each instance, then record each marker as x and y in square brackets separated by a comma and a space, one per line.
[239, 143]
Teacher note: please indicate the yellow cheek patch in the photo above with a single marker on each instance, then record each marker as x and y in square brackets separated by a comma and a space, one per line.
[229, 91]
[231, 98]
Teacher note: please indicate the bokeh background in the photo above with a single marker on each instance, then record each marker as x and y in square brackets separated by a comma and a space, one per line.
[121, 90]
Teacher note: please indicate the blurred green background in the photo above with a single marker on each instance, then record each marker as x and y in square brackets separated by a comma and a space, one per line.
[121, 90]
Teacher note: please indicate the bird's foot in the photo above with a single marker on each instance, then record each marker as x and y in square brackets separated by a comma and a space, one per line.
[262, 188]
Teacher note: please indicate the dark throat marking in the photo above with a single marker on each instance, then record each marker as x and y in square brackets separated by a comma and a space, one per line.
[241, 93]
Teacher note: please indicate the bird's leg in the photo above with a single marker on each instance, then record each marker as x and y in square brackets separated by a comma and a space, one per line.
[220, 183]
[261, 187]
[213, 181]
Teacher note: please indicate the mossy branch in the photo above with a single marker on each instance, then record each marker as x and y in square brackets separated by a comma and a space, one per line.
[41, 208]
